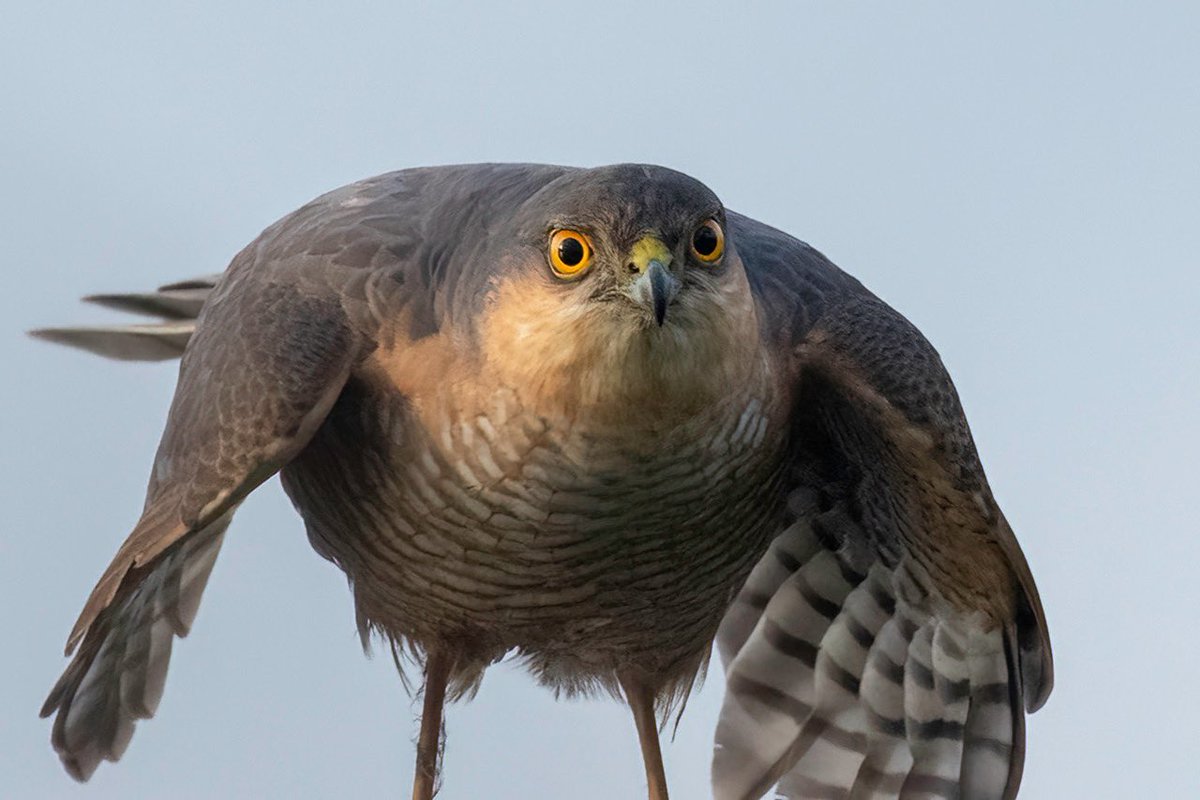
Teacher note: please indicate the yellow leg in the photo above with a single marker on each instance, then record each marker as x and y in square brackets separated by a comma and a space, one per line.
[641, 701]
[437, 671]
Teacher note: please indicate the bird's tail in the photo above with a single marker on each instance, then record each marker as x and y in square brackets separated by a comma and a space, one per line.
[176, 306]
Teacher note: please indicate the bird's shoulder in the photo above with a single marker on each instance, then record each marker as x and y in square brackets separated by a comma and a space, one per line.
[792, 282]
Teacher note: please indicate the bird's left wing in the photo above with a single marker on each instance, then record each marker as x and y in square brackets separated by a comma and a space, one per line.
[889, 642]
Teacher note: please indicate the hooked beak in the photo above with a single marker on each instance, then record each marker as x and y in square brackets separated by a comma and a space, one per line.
[654, 286]
[661, 290]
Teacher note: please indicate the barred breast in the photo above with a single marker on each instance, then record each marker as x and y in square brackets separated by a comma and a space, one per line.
[588, 547]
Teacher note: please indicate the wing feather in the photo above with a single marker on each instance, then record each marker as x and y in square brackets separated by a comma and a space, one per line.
[889, 640]
[265, 364]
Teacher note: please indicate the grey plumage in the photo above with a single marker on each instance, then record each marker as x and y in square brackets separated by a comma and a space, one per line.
[504, 460]
[177, 305]
[181, 301]
[121, 670]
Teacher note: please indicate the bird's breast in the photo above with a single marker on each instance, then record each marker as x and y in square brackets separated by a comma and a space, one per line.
[474, 516]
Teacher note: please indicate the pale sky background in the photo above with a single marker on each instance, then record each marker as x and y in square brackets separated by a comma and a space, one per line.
[1022, 183]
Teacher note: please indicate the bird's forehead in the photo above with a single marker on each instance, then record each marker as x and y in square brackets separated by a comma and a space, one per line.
[625, 198]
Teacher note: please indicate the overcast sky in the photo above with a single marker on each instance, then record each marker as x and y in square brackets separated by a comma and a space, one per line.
[1022, 183]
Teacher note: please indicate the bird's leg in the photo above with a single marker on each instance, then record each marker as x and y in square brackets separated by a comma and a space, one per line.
[437, 671]
[641, 701]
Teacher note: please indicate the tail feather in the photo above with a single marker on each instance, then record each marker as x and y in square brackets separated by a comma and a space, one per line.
[177, 305]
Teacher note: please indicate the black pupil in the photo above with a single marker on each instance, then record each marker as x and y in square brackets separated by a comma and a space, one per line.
[571, 252]
[705, 240]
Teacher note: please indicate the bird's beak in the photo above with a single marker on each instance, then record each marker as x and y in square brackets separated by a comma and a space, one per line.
[654, 286]
[660, 290]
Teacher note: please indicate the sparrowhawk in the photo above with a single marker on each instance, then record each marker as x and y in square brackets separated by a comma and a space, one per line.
[591, 419]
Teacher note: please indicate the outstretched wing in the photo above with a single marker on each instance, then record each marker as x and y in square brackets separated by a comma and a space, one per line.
[271, 350]
[888, 643]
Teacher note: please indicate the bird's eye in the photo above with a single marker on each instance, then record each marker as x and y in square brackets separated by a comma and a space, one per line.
[570, 253]
[708, 241]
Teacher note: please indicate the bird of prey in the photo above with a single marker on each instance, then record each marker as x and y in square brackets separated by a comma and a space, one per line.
[591, 419]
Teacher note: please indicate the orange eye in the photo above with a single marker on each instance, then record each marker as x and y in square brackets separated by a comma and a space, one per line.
[570, 253]
[708, 241]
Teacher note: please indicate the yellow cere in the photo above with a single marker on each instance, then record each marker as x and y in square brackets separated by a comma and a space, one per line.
[647, 249]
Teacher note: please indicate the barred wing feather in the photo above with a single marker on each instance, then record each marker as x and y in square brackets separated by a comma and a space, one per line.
[890, 639]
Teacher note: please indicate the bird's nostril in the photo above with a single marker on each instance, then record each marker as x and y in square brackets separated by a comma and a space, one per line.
[632, 267]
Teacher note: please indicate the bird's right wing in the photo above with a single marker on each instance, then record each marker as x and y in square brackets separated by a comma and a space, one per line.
[272, 349]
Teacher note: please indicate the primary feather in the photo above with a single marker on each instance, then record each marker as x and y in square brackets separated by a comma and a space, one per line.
[177, 304]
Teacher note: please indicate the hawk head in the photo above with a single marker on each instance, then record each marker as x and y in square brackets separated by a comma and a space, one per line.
[621, 285]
